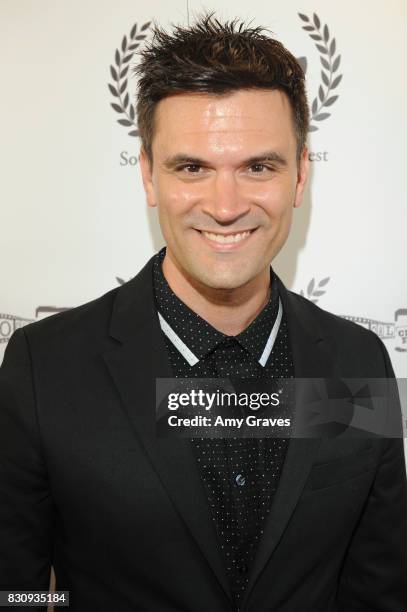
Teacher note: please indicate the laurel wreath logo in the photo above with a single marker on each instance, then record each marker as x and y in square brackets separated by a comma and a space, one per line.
[314, 291]
[119, 73]
[330, 64]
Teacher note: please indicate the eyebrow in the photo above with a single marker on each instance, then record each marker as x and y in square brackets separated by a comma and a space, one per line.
[183, 158]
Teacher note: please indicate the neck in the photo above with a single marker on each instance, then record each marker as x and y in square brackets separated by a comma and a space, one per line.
[229, 311]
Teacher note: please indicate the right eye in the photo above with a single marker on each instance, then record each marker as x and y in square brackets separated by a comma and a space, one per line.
[192, 167]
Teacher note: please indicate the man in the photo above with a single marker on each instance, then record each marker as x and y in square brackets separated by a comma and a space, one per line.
[130, 521]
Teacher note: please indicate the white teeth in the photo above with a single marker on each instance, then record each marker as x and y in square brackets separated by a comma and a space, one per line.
[226, 239]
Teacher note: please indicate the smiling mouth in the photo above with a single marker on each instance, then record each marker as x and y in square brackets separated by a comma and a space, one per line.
[230, 238]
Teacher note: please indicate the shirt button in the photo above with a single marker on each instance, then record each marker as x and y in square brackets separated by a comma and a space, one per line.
[243, 569]
[240, 480]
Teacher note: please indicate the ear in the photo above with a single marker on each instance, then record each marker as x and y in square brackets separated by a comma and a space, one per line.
[146, 174]
[302, 176]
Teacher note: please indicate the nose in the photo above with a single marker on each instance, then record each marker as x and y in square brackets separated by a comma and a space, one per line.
[225, 201]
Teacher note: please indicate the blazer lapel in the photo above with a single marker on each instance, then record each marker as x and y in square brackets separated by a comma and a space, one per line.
[312, 359]
[139, 358]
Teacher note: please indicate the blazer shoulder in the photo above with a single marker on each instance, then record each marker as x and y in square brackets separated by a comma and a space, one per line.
[331, 322]
[88, 319]
[357, 350]
[344, 336]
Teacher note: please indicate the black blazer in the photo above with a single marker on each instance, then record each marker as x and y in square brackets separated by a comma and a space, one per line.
[87, 487]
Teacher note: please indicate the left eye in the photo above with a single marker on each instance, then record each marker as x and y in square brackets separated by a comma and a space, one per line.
[192, 168]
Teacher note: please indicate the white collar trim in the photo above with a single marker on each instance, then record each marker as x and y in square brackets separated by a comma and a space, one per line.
[193, 359]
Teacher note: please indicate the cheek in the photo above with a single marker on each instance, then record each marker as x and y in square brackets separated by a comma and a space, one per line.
[276, 200]
[176, 197]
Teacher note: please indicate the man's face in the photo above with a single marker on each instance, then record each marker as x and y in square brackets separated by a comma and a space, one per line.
[225, 180]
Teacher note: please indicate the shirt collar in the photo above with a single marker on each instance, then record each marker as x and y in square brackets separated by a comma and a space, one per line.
[195, 337]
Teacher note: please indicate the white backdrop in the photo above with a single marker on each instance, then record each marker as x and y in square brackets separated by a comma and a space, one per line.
[74, 222]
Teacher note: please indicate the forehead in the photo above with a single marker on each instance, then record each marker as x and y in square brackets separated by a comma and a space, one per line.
[235, 120]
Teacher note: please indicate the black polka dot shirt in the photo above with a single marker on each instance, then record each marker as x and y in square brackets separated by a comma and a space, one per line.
[240, 476]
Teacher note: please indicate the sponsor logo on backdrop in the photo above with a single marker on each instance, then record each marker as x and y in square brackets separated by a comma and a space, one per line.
[320, 34]
[119, 71]
[330, 60]
[386, 330]
[330, 79]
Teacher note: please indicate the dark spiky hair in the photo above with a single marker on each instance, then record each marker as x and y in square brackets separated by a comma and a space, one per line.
[216, 58]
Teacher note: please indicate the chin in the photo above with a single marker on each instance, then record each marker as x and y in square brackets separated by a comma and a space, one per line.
[225, 280]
